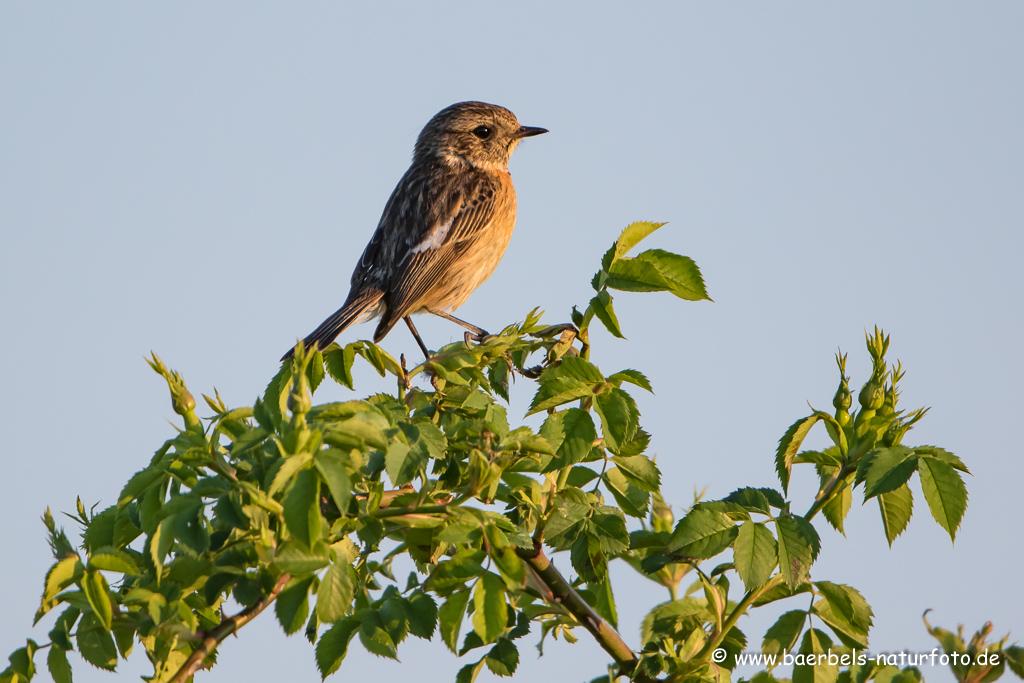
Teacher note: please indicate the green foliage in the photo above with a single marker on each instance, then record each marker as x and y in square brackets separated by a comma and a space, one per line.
[306, 507]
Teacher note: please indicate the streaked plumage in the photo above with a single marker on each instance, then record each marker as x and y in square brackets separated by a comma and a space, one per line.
[445, 227]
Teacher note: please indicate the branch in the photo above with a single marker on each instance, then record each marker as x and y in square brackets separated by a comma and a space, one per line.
[562, 593]
[217, 634]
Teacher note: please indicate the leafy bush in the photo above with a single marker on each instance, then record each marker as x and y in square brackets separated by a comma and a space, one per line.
[307, 507]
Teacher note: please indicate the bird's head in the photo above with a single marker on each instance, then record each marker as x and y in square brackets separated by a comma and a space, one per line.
[480, 134]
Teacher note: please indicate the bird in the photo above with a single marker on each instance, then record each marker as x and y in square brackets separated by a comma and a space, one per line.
[443, 230]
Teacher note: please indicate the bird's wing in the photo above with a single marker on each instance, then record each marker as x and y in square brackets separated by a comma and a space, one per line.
[456, 220]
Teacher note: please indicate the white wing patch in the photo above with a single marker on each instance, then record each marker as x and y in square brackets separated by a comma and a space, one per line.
[434, 238]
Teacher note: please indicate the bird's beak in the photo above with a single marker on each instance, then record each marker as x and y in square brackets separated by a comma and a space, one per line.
[529, 131]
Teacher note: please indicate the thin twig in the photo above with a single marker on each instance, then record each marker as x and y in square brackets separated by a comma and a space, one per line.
[563, 594]
[218, 633]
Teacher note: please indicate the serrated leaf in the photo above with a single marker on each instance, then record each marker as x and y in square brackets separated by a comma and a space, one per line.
[503, 658]
[339, 362]
[333, 645]
[754, 554]
[633, 377]
[783, 634]
[57, 664]
[577, 439]
[302, 507]
[95, 644]
[403, 463]
[896, 508]
[641, 470]
[450, 617]
[680, 272]
[815, 642]
[375, 637]
[334, 596]
[789, 445]
[702, 534]
[838, 506]
[421, 612]
[605, 312]
[330, 464]
[490, 615]
[97, 593]
[113, 560]
[557, 391]
[633, 500]
[295, 559]
[287, 469]
[61, 575]
[798, 545]
[889, 469]
[632, 235]
[292, 604]
[619, 417]
[945, 493]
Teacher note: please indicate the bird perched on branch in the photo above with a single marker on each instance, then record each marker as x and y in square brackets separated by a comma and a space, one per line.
[443, 230]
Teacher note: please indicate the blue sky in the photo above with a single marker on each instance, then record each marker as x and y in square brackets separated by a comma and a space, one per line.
[198, 180]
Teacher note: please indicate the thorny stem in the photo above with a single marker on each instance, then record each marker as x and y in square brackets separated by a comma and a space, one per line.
[562, 593]
[216, 635]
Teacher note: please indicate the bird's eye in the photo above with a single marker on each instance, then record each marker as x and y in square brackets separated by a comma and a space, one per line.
[482, 132]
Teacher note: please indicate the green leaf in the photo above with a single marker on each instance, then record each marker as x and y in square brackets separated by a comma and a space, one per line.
[97, 593]
[468, 673]
[783, 634]
[604, 601]
[789, 444]
[619, 417]
[287, 469]
[503, 658]
[57, 663]
[392, 613]
[702, 534]
[896, 508]
[633, 377]
[375, 637]
[333, 645]
[450, 617]
[421, 612]
[889, 469]
[61, 575]
[490, 615]
[330, 464]
[160, 542]
[338, 362]
[555, 392]
[603, 311]
[815, 642]
[944, 492]
[798, 546]
[292, 604]
[680, 272]
[943, 455]
[113, 560]
[633, 500]
[302, 507]
[640, 470]
[631, 236]
[754, 554]
[141, 481]
[95, 644]
[334, 597]
[578, 436]
[295, 559]
[838, 506]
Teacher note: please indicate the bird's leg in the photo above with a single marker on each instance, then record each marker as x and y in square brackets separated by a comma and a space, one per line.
[412, 328]
[479, 333]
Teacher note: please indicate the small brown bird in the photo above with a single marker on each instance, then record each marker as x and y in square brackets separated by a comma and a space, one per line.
[443, 230]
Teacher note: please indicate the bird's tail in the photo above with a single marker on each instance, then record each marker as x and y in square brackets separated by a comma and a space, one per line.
[359, 306]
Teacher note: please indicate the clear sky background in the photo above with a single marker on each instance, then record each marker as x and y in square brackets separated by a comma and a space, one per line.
[198, 180]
